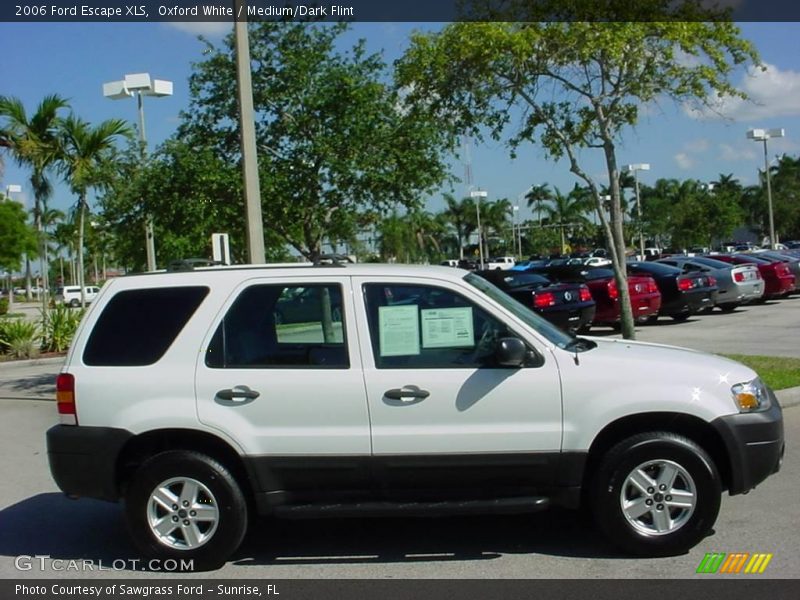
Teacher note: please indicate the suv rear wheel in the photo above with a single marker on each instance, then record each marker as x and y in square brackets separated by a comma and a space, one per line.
[656, 494]
[186, 505]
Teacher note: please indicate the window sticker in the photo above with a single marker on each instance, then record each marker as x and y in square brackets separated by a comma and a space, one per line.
[447, 328]
[399, 330]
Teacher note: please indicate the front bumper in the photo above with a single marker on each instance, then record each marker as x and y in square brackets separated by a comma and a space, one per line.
[83, 460]
[755, 445]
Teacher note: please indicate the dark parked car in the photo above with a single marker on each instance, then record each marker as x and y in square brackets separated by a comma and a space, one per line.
[645, 297]
[778, 280]
[791, 259]
[567, 305]
[737, 284]
[682, 294]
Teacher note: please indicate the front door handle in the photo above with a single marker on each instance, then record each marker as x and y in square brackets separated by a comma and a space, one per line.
[240, 392]
[408, 392]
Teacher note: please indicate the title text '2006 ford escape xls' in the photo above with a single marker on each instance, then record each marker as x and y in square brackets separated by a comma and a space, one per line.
[204, 398]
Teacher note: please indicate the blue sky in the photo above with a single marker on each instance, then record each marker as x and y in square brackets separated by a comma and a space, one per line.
[75, 59]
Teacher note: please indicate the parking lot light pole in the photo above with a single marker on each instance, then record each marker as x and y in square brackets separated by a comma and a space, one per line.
[635, 169]
[140, 85]
[478, 194]
[762, 135]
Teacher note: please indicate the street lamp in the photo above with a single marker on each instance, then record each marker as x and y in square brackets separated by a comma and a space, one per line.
[12, 188]
[635, 169]
[762, 135]
[478, 194]
[140, 85]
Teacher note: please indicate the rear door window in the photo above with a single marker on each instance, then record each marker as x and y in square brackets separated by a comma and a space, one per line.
[282, 326]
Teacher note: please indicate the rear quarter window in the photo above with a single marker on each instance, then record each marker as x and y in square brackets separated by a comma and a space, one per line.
[138, 326]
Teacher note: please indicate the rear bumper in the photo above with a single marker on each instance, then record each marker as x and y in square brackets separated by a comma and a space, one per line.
[83, 460]
[570, 319]
[755, 445]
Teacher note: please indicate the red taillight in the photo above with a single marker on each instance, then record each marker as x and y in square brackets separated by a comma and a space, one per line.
[711, 281]
[684, 284]
[586, 295]
[652, 288]
[65, 398]
[783, 270]
[544, 300]
[738, 277]
[613, 292]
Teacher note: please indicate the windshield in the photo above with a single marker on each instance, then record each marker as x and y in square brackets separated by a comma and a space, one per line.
[530, 318]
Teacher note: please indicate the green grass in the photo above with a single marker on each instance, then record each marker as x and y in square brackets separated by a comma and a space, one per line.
[778, 372]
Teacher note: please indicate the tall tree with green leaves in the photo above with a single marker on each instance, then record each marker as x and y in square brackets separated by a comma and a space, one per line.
[573, 85]
[336, 139]
[85, 148]
[33, 142]
[16, 236]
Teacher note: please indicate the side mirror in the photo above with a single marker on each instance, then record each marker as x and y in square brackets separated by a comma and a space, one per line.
[511, 352]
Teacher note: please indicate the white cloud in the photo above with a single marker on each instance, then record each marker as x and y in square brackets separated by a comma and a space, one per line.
[734, 153]
[771, 92]
[697, 146]
[206, 28]
[684, 161]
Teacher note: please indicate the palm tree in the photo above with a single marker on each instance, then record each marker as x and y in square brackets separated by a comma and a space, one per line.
[539, 195]
[84, 150]
[51, 218]
[33, 142]
[461, 216]
[565, 210]
[494, 219]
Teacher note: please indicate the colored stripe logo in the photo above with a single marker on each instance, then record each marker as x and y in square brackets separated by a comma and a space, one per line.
[734, 562]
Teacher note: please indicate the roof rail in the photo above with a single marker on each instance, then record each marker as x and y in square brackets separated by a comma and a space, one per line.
[189, 264]
[332, 259]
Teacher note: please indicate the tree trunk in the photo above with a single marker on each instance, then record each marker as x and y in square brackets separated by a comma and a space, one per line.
[81, 210]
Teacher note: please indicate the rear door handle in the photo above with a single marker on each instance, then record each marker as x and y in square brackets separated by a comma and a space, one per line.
[239, 392]
[408, 392]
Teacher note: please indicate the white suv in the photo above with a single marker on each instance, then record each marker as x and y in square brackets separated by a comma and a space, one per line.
[385, 389]
[71, 295]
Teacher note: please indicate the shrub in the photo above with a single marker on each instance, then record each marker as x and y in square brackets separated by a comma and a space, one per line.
[3, 306]
[19, 338]
[59, 328]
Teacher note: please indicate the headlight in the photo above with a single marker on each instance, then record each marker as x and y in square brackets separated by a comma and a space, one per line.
[751, 396]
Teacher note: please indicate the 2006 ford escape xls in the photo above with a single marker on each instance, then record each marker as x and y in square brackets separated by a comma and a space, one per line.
[204, 398]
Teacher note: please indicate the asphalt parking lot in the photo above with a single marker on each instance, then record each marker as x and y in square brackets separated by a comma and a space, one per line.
[36, 520]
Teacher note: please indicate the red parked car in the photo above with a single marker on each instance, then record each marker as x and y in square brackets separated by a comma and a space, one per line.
[645, 296]
[778, 279]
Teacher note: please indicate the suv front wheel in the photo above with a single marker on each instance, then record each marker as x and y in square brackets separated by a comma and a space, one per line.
[656, 494]
[185, 505]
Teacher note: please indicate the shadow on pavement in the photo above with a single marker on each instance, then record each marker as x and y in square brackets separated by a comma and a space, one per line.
[408, 540]
[52, 525]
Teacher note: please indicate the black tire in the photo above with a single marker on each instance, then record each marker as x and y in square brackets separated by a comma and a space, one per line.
[651, 320]
[680, 317]
[221, 497]
[74, 303]
[653, 454]
[729, 307]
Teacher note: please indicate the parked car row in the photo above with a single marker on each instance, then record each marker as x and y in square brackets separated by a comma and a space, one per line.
[575, 294]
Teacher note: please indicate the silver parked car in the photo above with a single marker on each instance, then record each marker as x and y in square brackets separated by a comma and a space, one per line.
[737, 284]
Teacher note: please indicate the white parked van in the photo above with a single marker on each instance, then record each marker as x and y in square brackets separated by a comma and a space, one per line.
[71, 295]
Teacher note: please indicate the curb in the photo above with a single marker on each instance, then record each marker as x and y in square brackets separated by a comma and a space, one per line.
[32, 362]
[789, 397]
